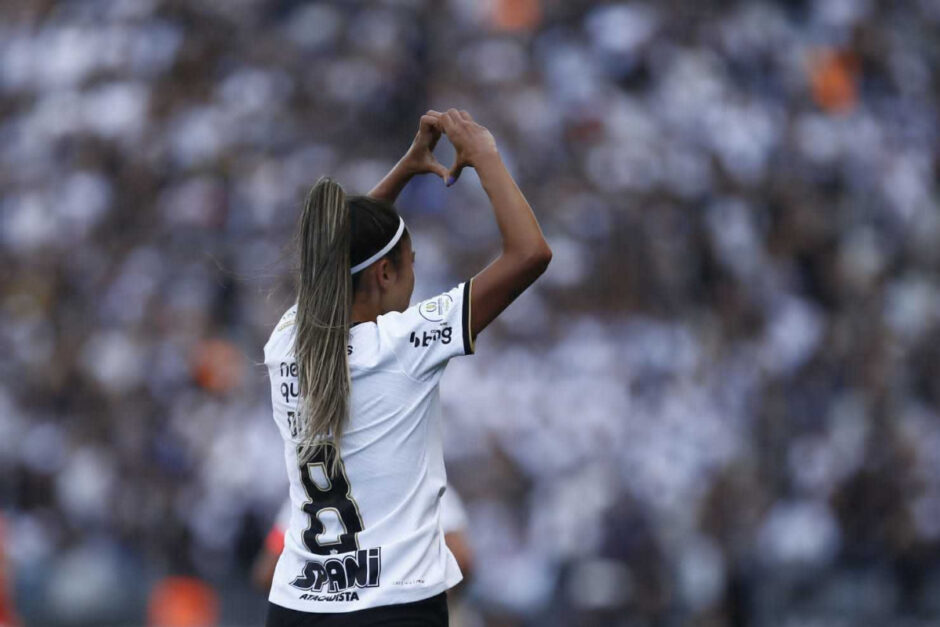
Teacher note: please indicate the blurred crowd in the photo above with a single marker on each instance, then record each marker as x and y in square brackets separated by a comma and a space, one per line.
[718, 407]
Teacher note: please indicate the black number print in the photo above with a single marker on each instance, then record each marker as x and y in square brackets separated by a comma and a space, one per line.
[336, 497]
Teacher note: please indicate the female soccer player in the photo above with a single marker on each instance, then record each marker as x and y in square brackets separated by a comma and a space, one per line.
[354, 383]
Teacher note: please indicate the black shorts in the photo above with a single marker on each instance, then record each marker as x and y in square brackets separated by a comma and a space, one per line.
[425, 613]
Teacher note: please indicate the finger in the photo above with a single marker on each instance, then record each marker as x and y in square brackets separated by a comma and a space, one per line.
[454, 174]
[454, 116]
[439, 169]
[434, 113]
[429, 132]
[430, 123]
[433, 134]
[465, 115]
[448, 123]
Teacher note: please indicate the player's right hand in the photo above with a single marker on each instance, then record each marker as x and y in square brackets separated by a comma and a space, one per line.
[472, 142]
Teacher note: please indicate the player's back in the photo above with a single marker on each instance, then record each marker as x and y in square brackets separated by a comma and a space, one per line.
[379, 514]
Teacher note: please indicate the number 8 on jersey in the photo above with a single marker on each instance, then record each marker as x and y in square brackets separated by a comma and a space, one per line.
[329, 496]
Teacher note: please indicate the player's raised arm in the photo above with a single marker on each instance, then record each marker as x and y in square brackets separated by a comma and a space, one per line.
[525, 253]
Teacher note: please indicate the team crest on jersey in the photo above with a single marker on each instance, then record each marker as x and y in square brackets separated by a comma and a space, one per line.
[435, 309]
[338, 574]
[288, 319]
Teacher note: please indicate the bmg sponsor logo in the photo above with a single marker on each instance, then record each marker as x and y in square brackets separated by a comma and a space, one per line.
[444, 335]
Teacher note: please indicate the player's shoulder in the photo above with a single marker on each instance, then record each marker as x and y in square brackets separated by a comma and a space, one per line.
[367, 349]
[288, 319]
[282, 334]
[434, 310]
[426, 335]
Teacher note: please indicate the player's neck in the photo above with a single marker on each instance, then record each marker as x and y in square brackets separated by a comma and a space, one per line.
[365, 308]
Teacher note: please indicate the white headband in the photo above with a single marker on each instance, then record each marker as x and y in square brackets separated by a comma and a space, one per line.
[368, 262]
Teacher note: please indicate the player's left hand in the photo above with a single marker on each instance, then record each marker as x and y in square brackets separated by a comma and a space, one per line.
[420, 157]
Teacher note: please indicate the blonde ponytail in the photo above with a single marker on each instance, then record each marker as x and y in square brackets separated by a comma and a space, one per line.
[324, 302]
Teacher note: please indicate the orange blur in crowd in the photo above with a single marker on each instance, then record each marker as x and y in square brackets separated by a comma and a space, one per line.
[834, 80]
[218, 366]
[183, 602]
[516, 14]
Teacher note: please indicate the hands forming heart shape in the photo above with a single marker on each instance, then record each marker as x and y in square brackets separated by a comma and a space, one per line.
[473, 143]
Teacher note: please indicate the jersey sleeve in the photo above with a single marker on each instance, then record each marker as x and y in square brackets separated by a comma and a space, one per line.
[426, 336]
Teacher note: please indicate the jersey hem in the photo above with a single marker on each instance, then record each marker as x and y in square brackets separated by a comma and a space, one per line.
[330, 607]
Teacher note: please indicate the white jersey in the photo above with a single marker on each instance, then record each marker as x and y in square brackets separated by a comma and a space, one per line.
[371, 535]
[453, 513]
